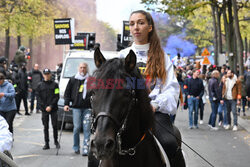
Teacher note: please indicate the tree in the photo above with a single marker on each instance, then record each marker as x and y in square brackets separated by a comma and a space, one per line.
[219, 7]
[199, 28]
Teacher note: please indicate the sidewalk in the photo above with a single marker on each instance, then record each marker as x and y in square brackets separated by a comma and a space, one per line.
[244, 121]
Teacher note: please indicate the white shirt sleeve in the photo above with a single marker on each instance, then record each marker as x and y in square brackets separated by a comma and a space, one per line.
[166, 96]
[5, 135]
[163, 96]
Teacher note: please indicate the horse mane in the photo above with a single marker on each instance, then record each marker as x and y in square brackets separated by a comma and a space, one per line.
[114, 68]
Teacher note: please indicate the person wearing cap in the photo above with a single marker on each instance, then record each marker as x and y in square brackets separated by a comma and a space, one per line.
[7, 101]
[20, 56]
[48, 96]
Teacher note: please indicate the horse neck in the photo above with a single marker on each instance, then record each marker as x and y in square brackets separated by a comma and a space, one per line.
[132, 133]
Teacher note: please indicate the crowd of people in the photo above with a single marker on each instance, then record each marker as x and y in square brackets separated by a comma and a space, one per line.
[225, 90]
[16, 84]
[221, 86]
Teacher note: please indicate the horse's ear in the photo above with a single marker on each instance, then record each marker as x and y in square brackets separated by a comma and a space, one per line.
[130, 61]
[98, 57]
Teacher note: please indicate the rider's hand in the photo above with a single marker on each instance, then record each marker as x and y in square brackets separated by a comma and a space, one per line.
[66, 108]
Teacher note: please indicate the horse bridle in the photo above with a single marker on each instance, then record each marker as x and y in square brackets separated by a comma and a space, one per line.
[122, 127]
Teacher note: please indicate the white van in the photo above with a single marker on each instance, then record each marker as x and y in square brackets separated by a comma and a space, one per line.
[70, 67]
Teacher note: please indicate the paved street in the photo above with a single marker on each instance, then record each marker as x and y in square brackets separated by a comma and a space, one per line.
[223, 148]
[27, 150]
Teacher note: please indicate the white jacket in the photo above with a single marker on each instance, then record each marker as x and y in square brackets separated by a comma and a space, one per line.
[163, 96]
[5, 135]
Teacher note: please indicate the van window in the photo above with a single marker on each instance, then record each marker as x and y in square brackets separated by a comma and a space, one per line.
[71, 66]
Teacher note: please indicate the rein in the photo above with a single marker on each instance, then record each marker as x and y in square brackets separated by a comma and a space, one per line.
[129, 151]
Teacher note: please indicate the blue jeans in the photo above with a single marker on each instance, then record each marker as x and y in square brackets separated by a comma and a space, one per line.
[231, 106]
[81, 117]
[244, 102]
[222, 108]
[214, 106]
[193, 104]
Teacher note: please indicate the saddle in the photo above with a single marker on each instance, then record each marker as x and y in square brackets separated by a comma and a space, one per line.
[164, 156]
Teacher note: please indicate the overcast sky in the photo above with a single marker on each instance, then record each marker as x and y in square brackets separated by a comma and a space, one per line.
[115, 11]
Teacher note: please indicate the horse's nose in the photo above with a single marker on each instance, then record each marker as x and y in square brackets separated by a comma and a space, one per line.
[106, 144]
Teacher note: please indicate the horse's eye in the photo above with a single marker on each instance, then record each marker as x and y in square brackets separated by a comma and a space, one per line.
[127, 93]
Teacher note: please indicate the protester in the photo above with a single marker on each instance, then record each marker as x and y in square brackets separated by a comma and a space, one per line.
[194, 92]
[247, 79]
[22, 89]
[76, 92]
[20, 57]
[48, 96]
[214, 97]
[34, 77]
[7, 101]
[203, 100]
[222, 109]
[243, 95]
[232, 93]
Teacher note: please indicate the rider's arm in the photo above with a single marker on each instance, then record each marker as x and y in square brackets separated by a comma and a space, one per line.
[165, 96]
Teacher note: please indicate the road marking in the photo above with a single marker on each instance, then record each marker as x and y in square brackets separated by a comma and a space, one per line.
[26, 156]
[34, 143]
[28, 129]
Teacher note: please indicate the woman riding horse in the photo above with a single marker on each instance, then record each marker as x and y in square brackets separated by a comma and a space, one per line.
[161, 81]
[159, 72]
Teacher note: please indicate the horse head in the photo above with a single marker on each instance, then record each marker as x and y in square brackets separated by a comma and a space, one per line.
[112, 101]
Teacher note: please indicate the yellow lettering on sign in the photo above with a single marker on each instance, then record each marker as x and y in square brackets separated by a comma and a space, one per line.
[127, 28]
[78, 44]
[59, 26]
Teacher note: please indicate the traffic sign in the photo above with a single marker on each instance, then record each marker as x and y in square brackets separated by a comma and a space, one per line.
[205, 52]
[206, 61]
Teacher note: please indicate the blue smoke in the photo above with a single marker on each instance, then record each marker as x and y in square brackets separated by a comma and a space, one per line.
[178, 44]
[175, 43]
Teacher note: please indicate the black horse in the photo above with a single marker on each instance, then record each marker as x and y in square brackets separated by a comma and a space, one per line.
[123, 116]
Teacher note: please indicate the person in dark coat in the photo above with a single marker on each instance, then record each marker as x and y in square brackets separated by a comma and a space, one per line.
[48, 96]
[22, 89]
[76, 92]
[214, 97]
[35, 76]
[20, 56]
